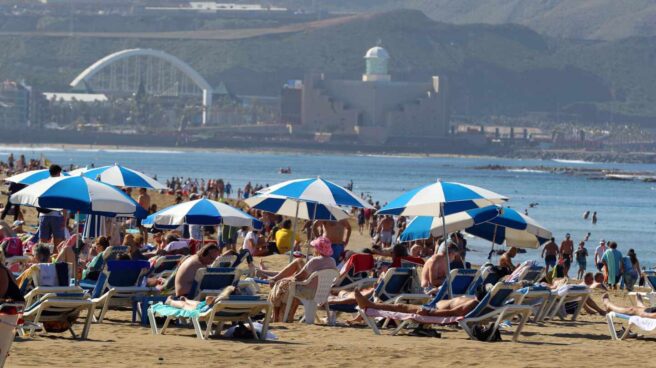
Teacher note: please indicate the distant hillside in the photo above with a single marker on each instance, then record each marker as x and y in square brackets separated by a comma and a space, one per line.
[582, 19]
[492, 70]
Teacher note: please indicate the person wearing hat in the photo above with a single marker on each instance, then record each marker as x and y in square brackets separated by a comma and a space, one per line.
[299, 270]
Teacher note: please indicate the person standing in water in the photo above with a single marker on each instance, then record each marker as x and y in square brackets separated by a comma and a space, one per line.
[594, 218]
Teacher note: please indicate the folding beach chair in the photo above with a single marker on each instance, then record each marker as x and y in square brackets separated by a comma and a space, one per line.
[398, 284]
[650, 296]
[58, 307]
[644, 324]
[324, 280]
[568, 299]
[538, 297]
[225, 261]
[164, 266]
[237, 308]
[211, 281]
[350, 280]
[491, 310]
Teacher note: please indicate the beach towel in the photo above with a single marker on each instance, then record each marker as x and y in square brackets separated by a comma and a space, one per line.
[167, 310]
[258, 328]
[645, 324]
[613, 257]
[359, 263]
[514, 277]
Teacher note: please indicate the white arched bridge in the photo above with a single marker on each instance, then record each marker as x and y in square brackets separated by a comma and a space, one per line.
[161, 74]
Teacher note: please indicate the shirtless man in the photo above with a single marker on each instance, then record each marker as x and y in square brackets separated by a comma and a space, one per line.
[454, 307]
[144, 201]
[505, 261]
[434, 272]
[385, 229]
[550, 253]
[184, 278]
[338, 232]
[566, 251]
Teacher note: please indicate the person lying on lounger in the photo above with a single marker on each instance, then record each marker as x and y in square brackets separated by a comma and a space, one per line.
[187, 304]
[455, 307]
[639, 310]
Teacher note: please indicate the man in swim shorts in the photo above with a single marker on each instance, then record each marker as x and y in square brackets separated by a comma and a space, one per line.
[566, 251]
[550, 253]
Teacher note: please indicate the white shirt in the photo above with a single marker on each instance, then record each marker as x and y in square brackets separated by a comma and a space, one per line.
[252, 236]
[599, 252]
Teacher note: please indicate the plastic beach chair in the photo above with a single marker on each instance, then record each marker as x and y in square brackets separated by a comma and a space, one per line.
[350, 279]
[164, 266]
[398, 284]
[237, 308]
[650, 296]
[564, 297]
[324, 280]
[59, 307]
[644, 324]
[211, 281]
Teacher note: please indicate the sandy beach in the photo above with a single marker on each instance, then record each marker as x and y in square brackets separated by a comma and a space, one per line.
[118, 343]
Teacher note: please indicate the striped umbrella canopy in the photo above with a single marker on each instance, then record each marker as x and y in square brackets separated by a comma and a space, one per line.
[315, 190]
[423, 227]
[293, 208]
[120, 176]
[513, 228]
[78, 194]
[441, 199]
[201, 212]
[31, 177]
[79, 171]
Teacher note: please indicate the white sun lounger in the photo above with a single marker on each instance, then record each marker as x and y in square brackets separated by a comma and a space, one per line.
[644, 324]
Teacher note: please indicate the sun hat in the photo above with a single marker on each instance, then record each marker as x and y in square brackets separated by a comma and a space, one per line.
[323, 246]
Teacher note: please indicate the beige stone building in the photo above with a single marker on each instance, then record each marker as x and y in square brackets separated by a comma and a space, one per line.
[376, 108]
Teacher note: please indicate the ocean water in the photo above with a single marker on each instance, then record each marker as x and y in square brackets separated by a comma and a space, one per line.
[626, 210]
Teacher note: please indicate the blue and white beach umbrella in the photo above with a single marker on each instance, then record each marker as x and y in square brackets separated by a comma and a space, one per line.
[120, 176]
[201, 212]
[294, 208]
[78, 194]
[441, 198]
[423, 227]
[513, 228]
[31, 177]
[316, 190]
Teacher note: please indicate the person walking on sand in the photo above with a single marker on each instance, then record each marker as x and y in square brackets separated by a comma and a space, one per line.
[581, 259]
[550, 254]
[566, 251]
[613, 267]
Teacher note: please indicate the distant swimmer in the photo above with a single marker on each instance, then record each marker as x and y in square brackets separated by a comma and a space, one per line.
[586, 214]
[526, 211]
[594, 218]
[587, 237]
[533, 205]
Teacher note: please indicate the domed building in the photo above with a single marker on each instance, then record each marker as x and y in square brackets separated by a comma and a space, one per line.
[376, 109]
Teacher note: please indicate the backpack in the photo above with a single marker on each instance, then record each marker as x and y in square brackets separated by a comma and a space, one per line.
[12, 247]
[482, 333]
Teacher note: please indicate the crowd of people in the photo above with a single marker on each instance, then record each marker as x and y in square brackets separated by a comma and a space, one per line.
[201, 246]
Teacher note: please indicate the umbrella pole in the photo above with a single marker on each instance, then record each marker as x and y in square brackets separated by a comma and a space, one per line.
[291, 248]
[446, 248]
[494, 238]
[314, 215]
[78, 247]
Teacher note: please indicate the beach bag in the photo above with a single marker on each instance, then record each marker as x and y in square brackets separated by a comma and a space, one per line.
[482, 333]
[12, 247]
